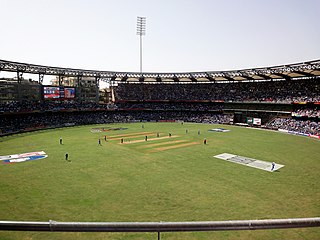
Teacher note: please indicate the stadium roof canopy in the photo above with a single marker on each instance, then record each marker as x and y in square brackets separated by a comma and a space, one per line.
[310, 69]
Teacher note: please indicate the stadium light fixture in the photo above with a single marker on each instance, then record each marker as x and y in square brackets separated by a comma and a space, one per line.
[141, 31]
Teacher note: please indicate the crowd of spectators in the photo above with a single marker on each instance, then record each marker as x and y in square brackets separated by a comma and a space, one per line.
[184, 106]
[265, 91]
[289, 124]
[13, 107]
[27, 122]
[56, 106]
[309, 113]
[201, 103]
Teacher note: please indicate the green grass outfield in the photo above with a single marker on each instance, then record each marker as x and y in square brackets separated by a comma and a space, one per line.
[168, 179]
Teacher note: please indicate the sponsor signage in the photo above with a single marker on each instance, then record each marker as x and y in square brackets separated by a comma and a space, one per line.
[299, 102]
[283, 130]
[23, 157]
[218, 130]
[254, 121]
[314, 136]
[299, 133]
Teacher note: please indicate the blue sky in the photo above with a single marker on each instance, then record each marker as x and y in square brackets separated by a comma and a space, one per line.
[181, 35]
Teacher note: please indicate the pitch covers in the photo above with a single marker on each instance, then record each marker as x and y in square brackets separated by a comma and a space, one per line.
[23, 157]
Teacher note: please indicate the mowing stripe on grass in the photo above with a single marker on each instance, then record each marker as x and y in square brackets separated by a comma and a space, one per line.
[133, 136]
[150, 139]
[161, 144]
[128, 134]
[174, 146]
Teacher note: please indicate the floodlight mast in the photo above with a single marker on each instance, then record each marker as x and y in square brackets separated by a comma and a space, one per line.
[141, 31]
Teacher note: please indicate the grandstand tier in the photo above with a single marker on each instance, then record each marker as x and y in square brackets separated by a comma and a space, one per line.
[290, 92]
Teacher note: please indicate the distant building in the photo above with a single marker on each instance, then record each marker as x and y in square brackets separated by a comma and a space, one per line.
[29, 90]
[26, 90]
[105, 95]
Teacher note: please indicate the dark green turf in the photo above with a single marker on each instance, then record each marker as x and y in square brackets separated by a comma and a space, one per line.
[129, 182]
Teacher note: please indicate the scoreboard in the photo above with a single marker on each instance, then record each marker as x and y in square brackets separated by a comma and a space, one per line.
[58, 92]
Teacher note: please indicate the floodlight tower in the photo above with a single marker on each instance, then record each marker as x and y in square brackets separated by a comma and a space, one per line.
[141, 31]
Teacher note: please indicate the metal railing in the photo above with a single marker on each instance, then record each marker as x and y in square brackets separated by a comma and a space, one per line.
[158, 227]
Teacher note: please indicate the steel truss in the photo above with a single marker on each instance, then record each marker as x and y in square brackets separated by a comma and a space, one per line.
[310, 69]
